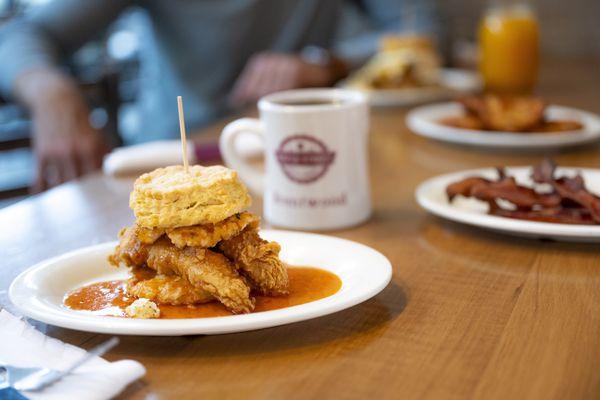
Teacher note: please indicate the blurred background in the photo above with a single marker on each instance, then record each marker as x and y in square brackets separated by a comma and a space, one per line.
[111, 75]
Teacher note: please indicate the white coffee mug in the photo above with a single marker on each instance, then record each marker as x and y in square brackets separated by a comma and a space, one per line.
[316, 167]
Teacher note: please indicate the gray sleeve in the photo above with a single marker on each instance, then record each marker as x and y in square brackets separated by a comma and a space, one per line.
[50, 32]
[361, 30]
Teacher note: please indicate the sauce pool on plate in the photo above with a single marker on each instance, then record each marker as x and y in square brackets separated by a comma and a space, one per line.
[110, 297]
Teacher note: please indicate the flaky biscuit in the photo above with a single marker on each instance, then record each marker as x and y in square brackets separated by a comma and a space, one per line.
[169, 197]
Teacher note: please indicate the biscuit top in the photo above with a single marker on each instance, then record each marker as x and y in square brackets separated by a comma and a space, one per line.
[170, 197]
[174, 177]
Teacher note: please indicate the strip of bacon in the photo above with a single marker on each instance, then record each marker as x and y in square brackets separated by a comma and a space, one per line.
[569, 202]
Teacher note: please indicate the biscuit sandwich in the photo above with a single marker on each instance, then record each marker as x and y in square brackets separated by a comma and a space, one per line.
[194, 242]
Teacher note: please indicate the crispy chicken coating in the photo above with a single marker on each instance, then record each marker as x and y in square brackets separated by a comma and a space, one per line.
[202, 268]
[148, 235]
[258, 260]
[505, 113]
[165, 289]
[208, 235]
[130, 251]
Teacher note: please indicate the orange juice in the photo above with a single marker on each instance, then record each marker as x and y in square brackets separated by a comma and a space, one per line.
[508, 41]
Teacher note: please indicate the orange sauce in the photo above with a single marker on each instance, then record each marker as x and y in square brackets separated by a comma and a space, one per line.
[110, 298]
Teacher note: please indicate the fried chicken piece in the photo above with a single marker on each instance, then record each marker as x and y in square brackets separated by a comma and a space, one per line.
[505, 113]
[205, 270]
[208, 235]
[258, 260]
[464, 122]
[558, 126]
[164, 289]
[130, 250]
[148, 235]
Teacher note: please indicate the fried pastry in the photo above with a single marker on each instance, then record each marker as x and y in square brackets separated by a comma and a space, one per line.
[171, 197]
[259, 260]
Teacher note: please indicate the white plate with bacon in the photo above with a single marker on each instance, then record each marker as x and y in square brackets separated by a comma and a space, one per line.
[561, 210]
[343, 273]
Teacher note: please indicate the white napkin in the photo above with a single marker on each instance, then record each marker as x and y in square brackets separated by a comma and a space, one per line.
[145, 157]
[22, 345]
[148, 156]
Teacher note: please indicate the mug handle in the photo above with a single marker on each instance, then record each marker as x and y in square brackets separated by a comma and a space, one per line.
[251, 175]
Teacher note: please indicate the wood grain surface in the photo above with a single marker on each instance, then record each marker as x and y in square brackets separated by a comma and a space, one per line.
[469, 313]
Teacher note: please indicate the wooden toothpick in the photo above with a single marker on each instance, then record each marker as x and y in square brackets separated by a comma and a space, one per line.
[183, 137]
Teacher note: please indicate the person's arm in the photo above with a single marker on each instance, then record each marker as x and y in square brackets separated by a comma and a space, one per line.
[269, 72]
[382, 17]
[31, 49]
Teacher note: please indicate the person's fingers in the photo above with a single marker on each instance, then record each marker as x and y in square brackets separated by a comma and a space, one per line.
[239, 85]
[40, 184]
[92, 153]
[91, 161]
[252, 82]
[245, 82]
[80, 167]
[102, 150]
[264, 74]
[265, 82]
[52, 172]
[62, 171]
[69, 167]
[86, 158]
[283, 76]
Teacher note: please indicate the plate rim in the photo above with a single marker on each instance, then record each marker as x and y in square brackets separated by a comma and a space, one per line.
[497, 223]
[406, 96]
[193, 326]
[418, 124]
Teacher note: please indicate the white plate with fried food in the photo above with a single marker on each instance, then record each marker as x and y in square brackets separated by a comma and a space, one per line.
[39, 292]
[452, 82]
[548, 127]
[472, 205]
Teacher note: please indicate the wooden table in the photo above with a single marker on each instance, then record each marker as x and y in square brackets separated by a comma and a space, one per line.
[469, 313]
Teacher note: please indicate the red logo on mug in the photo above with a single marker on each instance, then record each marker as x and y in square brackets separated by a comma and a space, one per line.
[303, 158]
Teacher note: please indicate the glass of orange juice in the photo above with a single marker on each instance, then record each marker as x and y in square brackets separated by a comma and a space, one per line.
[508, 42]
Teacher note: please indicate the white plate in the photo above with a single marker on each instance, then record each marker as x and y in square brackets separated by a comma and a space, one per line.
[431, 195]
[424, 121]
[38, 292]
[454, 82]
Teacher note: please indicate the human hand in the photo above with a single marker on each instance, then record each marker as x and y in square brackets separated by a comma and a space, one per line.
[272, 72]
[65, 144]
